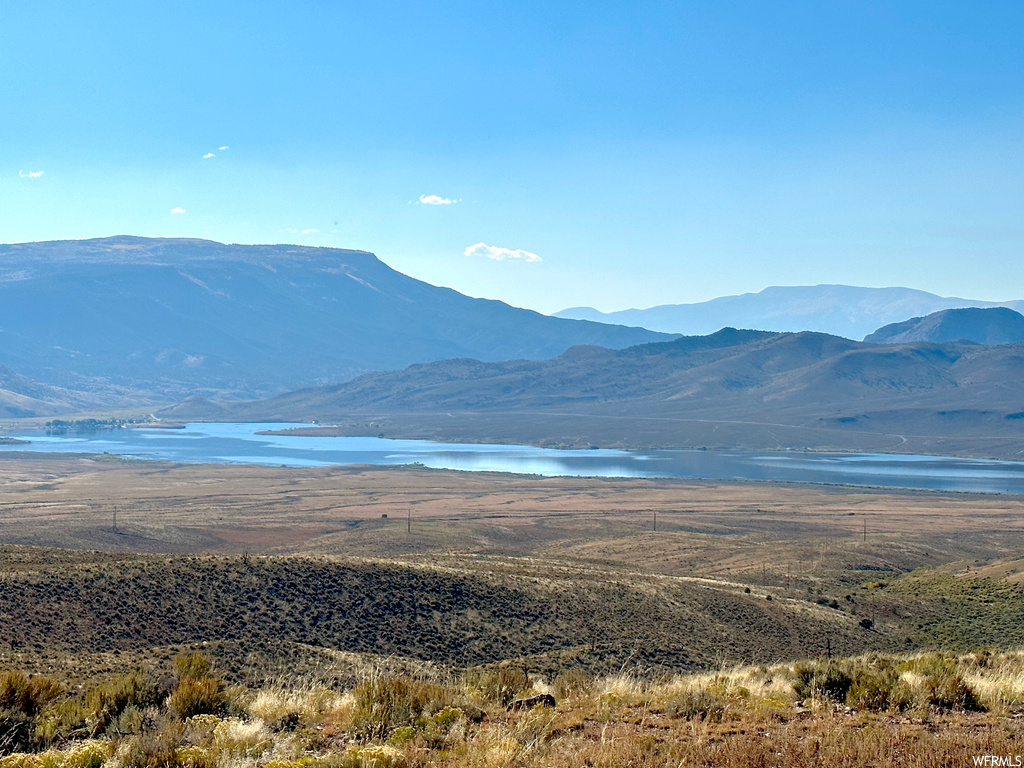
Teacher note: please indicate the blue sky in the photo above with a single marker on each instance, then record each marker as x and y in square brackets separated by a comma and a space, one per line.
[606, 154]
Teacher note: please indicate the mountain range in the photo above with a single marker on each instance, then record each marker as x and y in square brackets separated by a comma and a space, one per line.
[840, 310]
[175, 317]
[133, 322]
[994, 325]
[733, 388]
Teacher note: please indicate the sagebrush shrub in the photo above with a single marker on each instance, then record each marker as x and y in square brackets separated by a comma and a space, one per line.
[25, 694]
[827, 681]
[109, 700]
[872, 688]
[950, 691]
[198, 696]
[386, 703]
[22, 698]
[941, 684]
[152, 749]
[439, 728]
[192, 665]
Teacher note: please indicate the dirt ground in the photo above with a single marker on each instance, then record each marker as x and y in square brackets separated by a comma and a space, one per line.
[669, 526]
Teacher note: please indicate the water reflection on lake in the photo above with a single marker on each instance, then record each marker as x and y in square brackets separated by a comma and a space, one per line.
[239, 443]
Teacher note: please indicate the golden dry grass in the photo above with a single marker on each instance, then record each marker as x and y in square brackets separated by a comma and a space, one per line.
[754, 718]
[717, 527]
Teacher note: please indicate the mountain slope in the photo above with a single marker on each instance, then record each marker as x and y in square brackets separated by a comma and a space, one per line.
[840, 310]
[22, 397]
[994, 325]
[729, 369]
[182, 316]
[730, 389]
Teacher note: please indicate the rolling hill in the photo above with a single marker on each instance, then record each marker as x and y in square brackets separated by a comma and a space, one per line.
[840, 310]
[22, 397]
[729, 389]
[993, 325]
[177, 317]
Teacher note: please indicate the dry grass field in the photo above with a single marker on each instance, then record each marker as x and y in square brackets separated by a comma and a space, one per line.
[331, 578]
[709, 527]
[893, 711]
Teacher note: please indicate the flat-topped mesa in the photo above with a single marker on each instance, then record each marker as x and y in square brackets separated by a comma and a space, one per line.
[130, 249]
[172, 317]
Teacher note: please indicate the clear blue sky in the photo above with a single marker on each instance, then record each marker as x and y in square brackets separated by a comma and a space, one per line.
[643, 153]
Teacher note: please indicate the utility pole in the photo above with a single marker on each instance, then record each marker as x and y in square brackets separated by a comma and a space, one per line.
[408, 521]
[865, 527]
[655, 520]
[115, 519]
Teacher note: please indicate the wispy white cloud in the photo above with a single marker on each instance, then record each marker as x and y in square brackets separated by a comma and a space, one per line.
[179, 209]
[222, 149]
[501, 254]
[208, 155]
[436, 200]
[312, 231]
[29, 174]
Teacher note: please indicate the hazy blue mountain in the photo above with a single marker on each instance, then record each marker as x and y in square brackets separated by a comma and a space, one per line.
[181, 316]
[840, 310]
[728, 369]
[993, 325]
[732, 389]
[22, 397]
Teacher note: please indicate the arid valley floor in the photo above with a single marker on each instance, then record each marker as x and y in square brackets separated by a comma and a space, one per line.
[329, 577]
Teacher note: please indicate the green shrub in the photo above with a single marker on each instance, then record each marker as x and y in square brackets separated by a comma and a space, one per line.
[91, 753]
[950, 691]
[402, 735]
[192, 665]
[383, 704]
[105, 703]
[943, 686]
[902, 696]
[196, 757]
[872, 688]
[437, 730]
[198, 696]
[375, 756]
[25, 694]
[821, 680]
[22, 698]
[153, 749]
[62, 720]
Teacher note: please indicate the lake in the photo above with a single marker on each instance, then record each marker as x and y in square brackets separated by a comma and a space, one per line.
[239, 443]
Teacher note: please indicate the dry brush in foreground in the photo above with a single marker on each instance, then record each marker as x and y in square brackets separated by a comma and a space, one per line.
[879, 710]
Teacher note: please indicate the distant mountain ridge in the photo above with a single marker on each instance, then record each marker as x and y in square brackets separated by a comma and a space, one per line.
[22, 397]
[992, 325]
[730, 389]
[177, 317]
[840, 310]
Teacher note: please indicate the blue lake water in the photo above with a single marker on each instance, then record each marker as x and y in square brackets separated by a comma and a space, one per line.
[239, 443]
